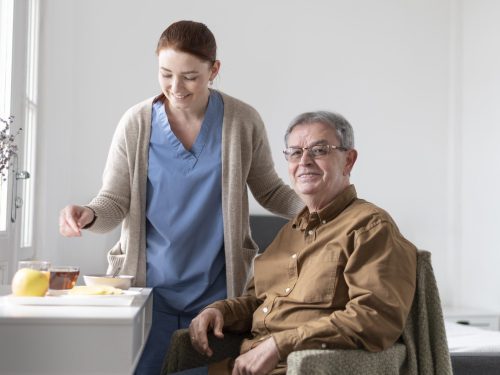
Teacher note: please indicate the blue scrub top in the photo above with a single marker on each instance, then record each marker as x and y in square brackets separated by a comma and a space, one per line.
[185, 262]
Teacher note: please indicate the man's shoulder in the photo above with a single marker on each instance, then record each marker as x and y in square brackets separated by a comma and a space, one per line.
[367, 214]
[369, 208]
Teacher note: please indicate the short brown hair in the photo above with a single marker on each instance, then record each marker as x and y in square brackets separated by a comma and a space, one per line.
[191, 37]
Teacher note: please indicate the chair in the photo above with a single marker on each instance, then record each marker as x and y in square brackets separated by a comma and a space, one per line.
[422, 349]
[265, 228]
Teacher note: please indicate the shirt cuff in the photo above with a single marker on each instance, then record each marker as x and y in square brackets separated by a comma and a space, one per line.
[219, 305]
[93, 219]
[224, 309]
[286, 341]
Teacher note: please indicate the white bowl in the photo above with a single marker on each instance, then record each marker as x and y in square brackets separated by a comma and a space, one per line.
[121, 281]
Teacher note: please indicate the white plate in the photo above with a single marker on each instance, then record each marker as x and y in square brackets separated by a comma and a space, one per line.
[124, 299]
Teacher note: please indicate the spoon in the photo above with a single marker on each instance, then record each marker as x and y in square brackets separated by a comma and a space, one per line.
[117, 271]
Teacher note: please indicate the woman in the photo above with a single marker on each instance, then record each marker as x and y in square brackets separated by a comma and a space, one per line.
[176, 178]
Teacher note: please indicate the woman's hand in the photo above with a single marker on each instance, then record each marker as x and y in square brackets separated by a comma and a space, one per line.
[73, 218]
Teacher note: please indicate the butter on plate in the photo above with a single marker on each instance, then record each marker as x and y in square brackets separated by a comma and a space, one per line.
[95, 290]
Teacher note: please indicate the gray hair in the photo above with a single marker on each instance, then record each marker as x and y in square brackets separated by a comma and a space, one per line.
[337, 122]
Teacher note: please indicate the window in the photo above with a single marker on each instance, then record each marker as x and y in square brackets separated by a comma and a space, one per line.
[19, 25]
[6, 36]
[30, 121]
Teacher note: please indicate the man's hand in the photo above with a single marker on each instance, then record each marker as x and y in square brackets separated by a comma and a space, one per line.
[73, 218]
[208, 319]
[260, 360]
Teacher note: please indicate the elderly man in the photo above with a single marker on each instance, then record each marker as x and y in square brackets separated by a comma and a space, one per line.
[339, 275]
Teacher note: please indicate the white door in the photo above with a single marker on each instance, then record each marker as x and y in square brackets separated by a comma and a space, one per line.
[18, 59]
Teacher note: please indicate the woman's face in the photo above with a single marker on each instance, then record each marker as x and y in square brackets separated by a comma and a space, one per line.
[184, 79]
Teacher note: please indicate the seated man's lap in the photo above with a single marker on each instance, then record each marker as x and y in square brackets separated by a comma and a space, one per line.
[193, 371]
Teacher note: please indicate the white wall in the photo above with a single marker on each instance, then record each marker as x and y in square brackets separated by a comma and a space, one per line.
[393, 68]
[478, 275]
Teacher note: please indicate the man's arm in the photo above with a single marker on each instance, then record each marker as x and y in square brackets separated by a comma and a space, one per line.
[381, 277]
[260, 360]
[238, 312]
[234, 314]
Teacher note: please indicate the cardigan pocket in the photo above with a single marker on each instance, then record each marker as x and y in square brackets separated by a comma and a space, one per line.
[116, 259]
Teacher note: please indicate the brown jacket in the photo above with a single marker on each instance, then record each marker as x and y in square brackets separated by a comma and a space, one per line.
[343, 278]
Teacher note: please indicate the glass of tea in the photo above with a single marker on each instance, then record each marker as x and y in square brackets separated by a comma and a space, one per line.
[63, 277]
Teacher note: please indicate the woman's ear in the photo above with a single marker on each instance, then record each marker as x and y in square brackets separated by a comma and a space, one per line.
[214, 69]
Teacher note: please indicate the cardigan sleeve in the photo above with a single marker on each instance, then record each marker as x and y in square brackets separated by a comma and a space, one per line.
[112, 203]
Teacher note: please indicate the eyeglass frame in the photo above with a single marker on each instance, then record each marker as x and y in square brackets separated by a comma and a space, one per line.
[309, 152]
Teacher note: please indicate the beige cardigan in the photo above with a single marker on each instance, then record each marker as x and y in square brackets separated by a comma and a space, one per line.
[246, 159]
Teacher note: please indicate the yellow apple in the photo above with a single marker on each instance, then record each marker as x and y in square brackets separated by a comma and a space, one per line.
[29, 282]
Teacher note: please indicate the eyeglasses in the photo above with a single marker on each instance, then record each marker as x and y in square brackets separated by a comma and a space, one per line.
[294, 154]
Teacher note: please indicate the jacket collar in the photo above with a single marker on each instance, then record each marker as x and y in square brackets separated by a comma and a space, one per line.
[307, 220]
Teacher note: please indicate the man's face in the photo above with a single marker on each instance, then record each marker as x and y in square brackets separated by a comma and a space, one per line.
[318, 180]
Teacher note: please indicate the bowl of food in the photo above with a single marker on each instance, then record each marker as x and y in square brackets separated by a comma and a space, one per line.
[119, 281]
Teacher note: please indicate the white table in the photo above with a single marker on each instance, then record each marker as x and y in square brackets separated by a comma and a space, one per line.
[73, 339]
[473, 317]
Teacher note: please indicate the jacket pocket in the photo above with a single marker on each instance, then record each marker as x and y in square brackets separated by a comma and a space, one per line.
[116, 258]
[318, 277]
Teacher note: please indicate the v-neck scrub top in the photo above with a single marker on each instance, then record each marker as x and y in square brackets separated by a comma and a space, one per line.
[247, 166]
[185, 261]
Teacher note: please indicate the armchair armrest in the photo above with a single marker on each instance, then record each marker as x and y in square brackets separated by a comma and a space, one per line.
[182, 355]
[347, 362]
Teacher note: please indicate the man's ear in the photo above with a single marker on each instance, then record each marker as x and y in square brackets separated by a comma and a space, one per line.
[351, 156]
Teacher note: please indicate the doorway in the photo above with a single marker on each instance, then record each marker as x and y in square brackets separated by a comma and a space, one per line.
[19, 25]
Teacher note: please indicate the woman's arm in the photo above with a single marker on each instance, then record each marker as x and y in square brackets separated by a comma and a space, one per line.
[265, 184]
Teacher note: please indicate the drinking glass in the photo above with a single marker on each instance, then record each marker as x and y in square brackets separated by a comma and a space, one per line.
[40, 265]
[63, 277]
